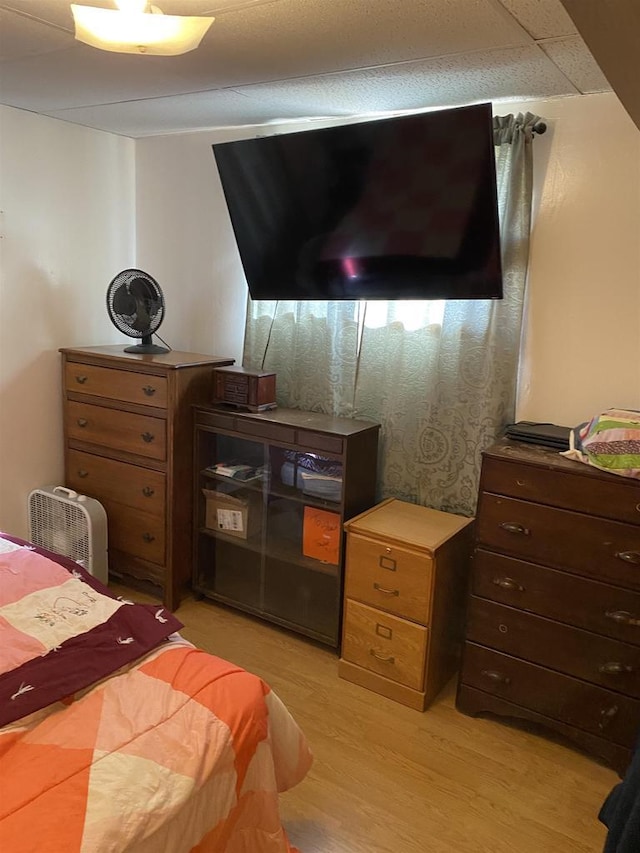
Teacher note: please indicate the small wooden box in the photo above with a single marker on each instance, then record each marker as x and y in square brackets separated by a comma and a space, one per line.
[250, 390]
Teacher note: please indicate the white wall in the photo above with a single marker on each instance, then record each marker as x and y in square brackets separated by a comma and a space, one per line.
[68, 202]
[77, 201]
[582, 338]
[185, 241]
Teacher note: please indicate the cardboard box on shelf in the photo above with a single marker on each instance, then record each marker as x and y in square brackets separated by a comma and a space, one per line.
[321, 535]
[238, 515]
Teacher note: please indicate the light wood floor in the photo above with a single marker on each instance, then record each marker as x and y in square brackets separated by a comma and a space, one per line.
[388, 779]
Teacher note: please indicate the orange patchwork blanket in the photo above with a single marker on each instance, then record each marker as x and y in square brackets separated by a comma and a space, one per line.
[177, 751]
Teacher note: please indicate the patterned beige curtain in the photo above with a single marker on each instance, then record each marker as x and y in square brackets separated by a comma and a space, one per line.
[440, 377]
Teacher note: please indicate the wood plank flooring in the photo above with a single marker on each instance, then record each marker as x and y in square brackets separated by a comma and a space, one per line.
[388, 779]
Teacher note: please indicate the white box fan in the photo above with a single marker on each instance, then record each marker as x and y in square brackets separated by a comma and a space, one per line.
[74, 525]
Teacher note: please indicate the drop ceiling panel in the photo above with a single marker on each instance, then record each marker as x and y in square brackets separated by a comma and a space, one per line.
[541, 18]
[265, 60]
[70, 78]
[411, 86]
[25, 37]
[499, 74]
[223, 108]
[292, 40]
[573, 58]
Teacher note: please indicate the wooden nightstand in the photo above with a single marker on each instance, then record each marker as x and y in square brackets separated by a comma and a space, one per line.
[405, 584]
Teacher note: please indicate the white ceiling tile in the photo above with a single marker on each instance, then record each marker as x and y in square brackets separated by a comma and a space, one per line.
[29, 37]
[515, 73]
[573, 58]
[541, 18]
[176, 114]
[265, 60]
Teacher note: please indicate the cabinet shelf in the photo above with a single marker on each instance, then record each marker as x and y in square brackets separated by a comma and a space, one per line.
[265, 566]
[275, 489]
[277, 550]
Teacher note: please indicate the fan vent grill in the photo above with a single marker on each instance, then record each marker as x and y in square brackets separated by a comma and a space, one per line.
[60, 527]
[73, 525]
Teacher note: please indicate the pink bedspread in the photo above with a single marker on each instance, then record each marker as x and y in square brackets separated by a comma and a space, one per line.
[177, 751]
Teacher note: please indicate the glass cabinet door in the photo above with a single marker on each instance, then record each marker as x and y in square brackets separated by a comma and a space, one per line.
[269, 535]
[303, 550]
[230, 534]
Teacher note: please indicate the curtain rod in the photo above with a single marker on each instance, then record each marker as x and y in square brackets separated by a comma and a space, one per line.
[540, 128]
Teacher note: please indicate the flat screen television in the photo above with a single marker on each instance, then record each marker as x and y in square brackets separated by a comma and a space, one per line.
[397, 208]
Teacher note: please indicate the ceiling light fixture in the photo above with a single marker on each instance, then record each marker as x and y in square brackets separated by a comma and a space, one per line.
[138, 27]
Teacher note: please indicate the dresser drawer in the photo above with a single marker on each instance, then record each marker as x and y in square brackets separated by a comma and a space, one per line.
[607, 496]
[596, 547]
[107, 479]
[387, 576]
[597, 607]
[385, 644]
[139, 434]
[600, 660]
[135, 532]
[125, 385]
[585, 706]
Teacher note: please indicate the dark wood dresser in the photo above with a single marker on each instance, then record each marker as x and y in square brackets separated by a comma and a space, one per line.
[129, 443]
[553, 619]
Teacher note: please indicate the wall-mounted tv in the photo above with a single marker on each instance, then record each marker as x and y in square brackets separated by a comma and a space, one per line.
[397, 208]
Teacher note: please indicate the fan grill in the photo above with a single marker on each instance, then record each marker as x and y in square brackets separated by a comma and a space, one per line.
[59, 527]
[135, 303]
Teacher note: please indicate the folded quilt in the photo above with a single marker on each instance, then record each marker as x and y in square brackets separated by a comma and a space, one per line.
[62, 630]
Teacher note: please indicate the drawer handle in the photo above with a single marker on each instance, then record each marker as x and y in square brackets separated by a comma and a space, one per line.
[147, 437]
[629, 557]
[614, 667]
[508, 583]
[82, 422]
[512, 527]
[606, 716]
[380, 657]
[622, 617]
[148, 537]
[82, 473]
[148, 492]
[81, 379]
[149, 390]
[386, 591]
[495, 676]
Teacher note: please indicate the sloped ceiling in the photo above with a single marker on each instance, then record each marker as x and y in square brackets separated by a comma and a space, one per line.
[271, 60]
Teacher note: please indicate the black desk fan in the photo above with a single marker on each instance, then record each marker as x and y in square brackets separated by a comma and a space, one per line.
[136, 307]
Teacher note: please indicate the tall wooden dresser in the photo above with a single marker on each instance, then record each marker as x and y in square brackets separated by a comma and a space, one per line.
[129, 444]
[406, 576]
[553, 622]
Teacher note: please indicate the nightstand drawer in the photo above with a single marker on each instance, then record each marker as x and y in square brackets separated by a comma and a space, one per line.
[385, 644]
[614, 499]
[389, 577]
[135, 532]
[107, 479]
[124, 385]
[595, 547]
[139, 434]
[585, 706]
[597, 607]
[599, 660]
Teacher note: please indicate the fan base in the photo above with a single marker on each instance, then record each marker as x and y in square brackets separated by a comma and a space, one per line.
[147, 349]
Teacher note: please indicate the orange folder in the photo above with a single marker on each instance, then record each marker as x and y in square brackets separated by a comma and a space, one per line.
[321, 535]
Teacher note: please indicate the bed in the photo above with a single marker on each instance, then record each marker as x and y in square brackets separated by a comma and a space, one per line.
[116, 734]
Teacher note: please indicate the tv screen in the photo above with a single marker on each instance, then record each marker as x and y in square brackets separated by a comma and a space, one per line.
[398, 208]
